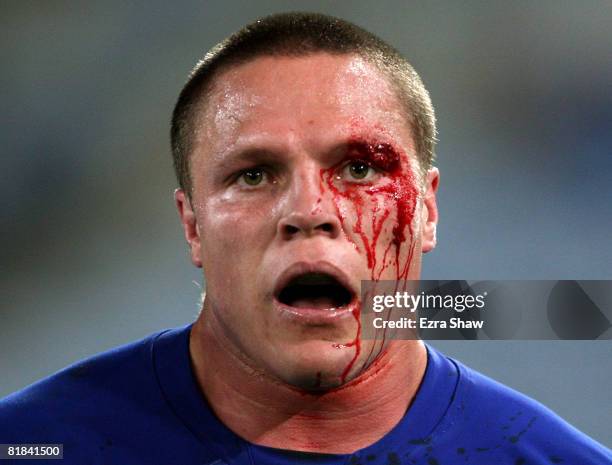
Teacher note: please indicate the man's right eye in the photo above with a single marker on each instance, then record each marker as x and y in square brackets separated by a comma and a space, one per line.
[252, 177]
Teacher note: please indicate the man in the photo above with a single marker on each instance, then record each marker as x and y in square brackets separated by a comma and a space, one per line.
[303, 147]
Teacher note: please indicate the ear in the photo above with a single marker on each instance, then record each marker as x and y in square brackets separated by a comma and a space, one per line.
[430, 211]
[190, 225]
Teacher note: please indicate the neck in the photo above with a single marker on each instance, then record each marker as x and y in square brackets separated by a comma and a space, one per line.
[268, 412]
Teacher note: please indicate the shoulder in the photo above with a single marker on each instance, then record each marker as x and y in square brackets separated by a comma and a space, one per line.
[501, 421]
[111, 408]
[107, 383]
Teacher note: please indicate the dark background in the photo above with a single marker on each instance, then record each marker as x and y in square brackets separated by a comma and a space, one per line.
[92, 252]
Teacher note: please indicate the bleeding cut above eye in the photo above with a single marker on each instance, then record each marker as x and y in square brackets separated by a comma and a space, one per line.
[380, 156]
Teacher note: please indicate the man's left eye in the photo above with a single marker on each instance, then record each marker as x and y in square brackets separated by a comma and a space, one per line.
[359, 171]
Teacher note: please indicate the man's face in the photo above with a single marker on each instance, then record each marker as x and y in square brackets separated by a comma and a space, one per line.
[305, 182]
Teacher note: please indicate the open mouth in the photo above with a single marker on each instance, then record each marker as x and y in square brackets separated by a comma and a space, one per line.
[315, 290]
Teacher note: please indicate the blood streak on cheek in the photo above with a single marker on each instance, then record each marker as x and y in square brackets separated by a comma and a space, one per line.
[376, 203]
[397, 193]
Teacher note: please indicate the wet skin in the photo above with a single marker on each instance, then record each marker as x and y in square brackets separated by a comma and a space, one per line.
[303, 164]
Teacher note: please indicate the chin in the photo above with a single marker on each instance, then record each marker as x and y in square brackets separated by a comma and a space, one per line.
[317, 365]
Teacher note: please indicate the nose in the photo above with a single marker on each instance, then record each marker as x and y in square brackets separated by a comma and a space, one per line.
[298, 224]
[310, 210]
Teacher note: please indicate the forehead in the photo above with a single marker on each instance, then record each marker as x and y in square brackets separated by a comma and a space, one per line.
[313, 99]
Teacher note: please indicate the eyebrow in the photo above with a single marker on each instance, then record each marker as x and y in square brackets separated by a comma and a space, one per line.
[262, 152]
[254, 155]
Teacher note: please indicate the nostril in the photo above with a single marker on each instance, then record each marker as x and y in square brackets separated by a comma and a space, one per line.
[298, 224]
[291, 230]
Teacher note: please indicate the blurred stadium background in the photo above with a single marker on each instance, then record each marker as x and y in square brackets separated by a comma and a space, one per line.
[92, 252]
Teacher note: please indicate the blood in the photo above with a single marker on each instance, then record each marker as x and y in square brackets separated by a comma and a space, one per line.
[398, 193]
[355, 342]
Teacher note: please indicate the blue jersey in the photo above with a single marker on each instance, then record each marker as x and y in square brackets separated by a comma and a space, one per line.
[140, 404]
